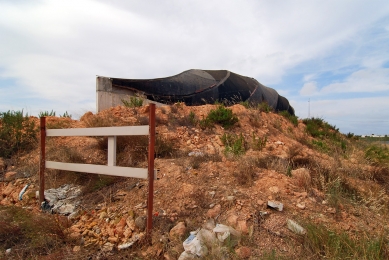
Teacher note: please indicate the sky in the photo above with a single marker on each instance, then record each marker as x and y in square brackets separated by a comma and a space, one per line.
[330, 58]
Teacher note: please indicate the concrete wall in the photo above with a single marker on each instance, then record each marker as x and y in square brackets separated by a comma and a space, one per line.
[110, 96]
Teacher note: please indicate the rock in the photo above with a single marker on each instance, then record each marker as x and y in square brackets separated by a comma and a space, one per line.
[210, 224]
[301, 194]
[243, 252]
[178, 231]
[9, 176]
[274, 189]
[231, 198]
[242, 226]
[300, 205]
[131, 223]
[113, 239]
[2, 164]
[140, 223]
[125, 245]
[232, 220]
[275, 205]
[76, 249]
[260, 202]
[127, 233]
[120, 226]
[214, 212]
[296, 228]
[8, 190]
[186, 256]
[107, 247]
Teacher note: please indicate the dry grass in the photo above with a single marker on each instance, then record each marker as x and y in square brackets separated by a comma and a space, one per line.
[30, 235]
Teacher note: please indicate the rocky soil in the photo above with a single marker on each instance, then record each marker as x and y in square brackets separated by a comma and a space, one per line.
[200, 185]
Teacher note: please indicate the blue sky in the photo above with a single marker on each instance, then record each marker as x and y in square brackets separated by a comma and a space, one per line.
[333, 53]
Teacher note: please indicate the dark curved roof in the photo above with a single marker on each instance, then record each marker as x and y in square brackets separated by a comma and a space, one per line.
[198, 87]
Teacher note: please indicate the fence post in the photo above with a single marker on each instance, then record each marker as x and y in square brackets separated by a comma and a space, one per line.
[42, 164]
[151, 169]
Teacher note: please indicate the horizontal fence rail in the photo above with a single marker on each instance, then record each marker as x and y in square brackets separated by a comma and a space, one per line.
[100, 131]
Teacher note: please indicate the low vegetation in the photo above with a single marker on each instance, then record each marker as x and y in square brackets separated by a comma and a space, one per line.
[239, 166]
[133, 102]
[18, 133]
[222, 116]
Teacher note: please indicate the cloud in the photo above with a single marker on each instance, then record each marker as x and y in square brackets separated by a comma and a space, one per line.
[365, 80]
[309, 89]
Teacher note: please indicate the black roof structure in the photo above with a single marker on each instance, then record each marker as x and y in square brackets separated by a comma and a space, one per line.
[199, 87]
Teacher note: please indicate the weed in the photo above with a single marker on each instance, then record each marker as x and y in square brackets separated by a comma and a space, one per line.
[258, 143]
[58, 123]
[324, 243]
[66, 115]
[234, 144]
[378, 154]
[17, 133]
[192, 118]
[222, 116]
[320, 145]
[245, 174]
[264, 107]
[46, 113]
[164, 147]
[317, 127]
[29, 234]
[255, 119]
[291, 118]
[100, 120]
[133, 102]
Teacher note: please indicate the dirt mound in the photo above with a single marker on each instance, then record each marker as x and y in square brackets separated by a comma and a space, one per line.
[207, 171]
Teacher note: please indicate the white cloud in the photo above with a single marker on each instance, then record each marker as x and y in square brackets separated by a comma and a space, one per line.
[365, 80]
[309, 89]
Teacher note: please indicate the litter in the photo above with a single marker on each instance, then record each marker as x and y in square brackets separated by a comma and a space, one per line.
[23, 191]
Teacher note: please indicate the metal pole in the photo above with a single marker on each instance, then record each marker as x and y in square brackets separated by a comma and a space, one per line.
[151, 169]
[42, 164]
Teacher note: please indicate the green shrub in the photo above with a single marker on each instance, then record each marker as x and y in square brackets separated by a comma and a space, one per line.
[264, 107]
[17, 133]
[66, 115]
[234, 144]
[222, 116]
[133, 102]
[377, 154]
[317, 127]
[46, 113]
[287, 115]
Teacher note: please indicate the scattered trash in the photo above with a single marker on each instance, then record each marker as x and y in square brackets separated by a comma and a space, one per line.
[62, 200]
[275, 205]
[196, 153]
[224, 232]
[125, 245]
[193, 245]
[296, 228]
[8, 251]
[23, 191]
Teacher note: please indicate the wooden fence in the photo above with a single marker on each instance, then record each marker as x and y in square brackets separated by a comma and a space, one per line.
[111, 168]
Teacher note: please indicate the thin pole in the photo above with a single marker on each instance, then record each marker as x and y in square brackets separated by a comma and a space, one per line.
[42, 164]
[151, 169]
